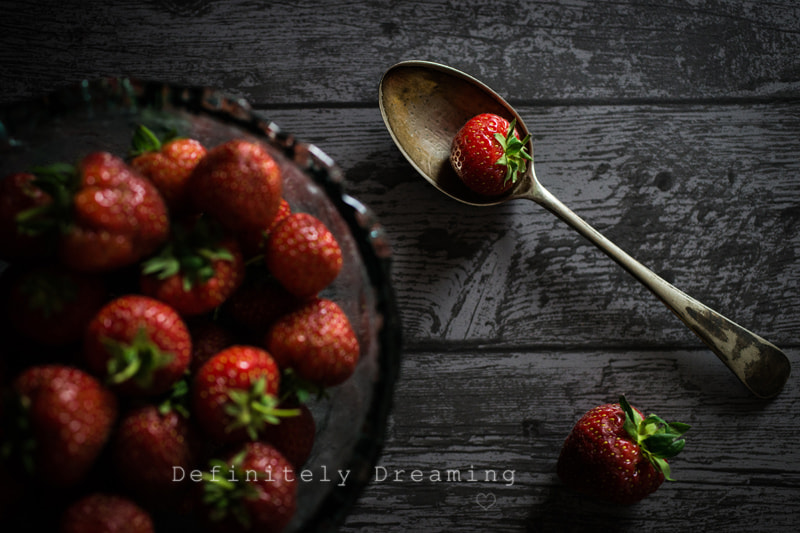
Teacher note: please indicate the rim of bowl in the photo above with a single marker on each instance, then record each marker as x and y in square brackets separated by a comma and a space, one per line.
[368, 233]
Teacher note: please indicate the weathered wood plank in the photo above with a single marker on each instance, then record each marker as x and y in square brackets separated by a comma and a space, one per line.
[292, 52]
[707, 196]
[728, 474]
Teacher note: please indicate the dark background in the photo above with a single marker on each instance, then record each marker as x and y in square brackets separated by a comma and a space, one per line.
[673, 127]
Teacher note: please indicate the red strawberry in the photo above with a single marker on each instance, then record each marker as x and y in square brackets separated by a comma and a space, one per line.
[149, 443]
[69, 417]
[195, 272]
[141, 345]
[52, 305]
[18, 195]
[488, 155]
[167, 163]
[234, 395]
[293, 436]
[615, 454]
[316, 341]
[265, 501]
[108, 215]
[239, 184]
[253, 242]
[105, 513]
[303, 255]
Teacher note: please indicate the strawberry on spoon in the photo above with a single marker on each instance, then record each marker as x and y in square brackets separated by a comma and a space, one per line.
[488, 154]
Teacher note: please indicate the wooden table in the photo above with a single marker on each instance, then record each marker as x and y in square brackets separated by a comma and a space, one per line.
[673, 127]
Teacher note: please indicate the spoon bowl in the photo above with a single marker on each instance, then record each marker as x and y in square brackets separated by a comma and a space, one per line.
[424, 104]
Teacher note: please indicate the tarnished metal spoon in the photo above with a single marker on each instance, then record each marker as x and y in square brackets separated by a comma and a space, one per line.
[424, 104]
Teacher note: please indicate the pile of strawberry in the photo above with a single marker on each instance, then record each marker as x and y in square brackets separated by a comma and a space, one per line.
[162, 315]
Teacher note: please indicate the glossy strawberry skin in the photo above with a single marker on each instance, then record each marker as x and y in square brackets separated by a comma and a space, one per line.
[147, 444]
[239, 184]
[236, 368]
[202, 296]
[272, 501]
[121, 321]
[599, 458]
[475, 152]
[71, 415]
[119, 216]
[303, 255]
[317, 341]
[102, 513]
[170, 167]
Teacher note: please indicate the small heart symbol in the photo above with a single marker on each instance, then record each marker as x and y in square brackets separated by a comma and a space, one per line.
[485, 500]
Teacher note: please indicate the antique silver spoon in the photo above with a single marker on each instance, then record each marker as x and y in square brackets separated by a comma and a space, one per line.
[424, 104]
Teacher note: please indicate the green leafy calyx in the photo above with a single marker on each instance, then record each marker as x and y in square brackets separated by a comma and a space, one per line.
[659, 440]
[190, 253]
[60, 182]
[515, 153]
[254, 409]
[136, 361]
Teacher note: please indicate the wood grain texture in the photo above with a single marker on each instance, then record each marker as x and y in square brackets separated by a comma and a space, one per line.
[335, 51]
[673, 127]
[715, 214]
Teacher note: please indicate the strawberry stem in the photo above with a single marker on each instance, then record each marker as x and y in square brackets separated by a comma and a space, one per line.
[514, 153]
[659, 440]
[253, 409]
[135, 361]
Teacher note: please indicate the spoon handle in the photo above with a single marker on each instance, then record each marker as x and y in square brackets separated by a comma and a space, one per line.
[759, 364]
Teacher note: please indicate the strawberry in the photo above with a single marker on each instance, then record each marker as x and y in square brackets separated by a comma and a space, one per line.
[107, 214]
[303, 255]
[168, 163]
[316, 341]
[615, 454]
[293, 436]
[234, 394]
[239, 184]
[67, 417]
[254, 489]
[253, 242]
[52, 305]
[19, 195]
[150, 441]
[196, 271]
[139, 344]
[105, 513]
[488, 155]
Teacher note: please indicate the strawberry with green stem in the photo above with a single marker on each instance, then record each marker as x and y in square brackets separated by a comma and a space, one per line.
[235, 394]
[168, 162]
[254, 489]
[196, 271]
[104, 214]
[615, 454]
[488, 154]
[140, 345]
